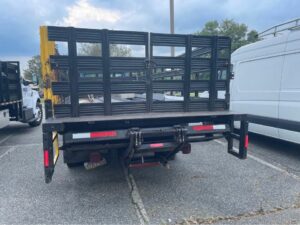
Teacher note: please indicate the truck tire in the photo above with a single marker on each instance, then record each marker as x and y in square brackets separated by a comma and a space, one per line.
[39, 118]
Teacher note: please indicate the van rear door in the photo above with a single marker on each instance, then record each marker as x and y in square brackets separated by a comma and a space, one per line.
[256, 86]
[289, 105]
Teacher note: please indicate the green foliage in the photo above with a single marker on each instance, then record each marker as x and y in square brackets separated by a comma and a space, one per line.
[119, 50]
[33, 69]
[96, 50]
[238, 33]
[90, 49]
[252, 36]
[210, 28]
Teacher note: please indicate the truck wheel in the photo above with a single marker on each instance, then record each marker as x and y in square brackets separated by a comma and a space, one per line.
[39, 117]
[73, 165]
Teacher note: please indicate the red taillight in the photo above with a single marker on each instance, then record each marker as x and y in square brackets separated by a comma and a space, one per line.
[46, 158]
[157, 145]
[112, 133]
[246, 141]
[203, 127]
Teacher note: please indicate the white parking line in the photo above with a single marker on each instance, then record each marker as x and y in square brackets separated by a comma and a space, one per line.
[136, 198]
[10, 150]
[4, 139]
[21, 145]
[264, 162]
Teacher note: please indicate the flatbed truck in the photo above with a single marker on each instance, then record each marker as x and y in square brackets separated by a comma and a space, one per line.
[147, 107]
[18, 102]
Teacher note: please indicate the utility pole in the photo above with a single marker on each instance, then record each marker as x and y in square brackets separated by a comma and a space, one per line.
[172, 24]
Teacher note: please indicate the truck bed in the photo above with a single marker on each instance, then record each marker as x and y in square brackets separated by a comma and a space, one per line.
[147, 107]
[143, 116]
[126, 121]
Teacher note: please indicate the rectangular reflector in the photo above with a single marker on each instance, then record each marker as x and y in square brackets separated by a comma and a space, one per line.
[246, 141]
[46, 158]
[156, 145]
[81, 135]
[203, 127]
[112, 133]
[219, 127]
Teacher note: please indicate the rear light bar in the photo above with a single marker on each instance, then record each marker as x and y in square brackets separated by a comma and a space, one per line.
[46, 158]
[112, 133]
[98, 134]
[156, 145]
[122, 134]
[246, 141]
[209, 127]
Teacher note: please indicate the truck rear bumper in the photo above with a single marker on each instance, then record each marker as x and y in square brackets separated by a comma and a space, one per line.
[141, 134]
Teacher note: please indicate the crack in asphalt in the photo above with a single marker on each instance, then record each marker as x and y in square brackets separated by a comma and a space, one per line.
[135, 197]
[215, 219]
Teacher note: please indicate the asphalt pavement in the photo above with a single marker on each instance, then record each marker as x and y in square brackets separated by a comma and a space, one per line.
[206, 186]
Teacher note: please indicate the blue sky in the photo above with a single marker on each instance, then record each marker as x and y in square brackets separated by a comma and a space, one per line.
[20, 20]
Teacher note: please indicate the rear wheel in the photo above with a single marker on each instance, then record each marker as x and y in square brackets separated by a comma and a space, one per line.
[38, 116]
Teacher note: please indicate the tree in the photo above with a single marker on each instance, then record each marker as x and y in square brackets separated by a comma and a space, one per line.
[33, 69]
[252, 36]
[238, 33]
[210, 28]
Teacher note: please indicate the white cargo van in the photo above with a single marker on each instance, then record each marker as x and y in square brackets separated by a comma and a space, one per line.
[267, 82]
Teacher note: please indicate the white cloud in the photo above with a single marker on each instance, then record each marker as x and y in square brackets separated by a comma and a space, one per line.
[243, 8]
[83, 13]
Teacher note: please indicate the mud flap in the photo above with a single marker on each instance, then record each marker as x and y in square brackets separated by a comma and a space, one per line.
[51, 153]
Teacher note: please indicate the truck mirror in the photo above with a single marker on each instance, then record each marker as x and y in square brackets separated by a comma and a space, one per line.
[34, 79]
[26, 82]
[36, 82]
